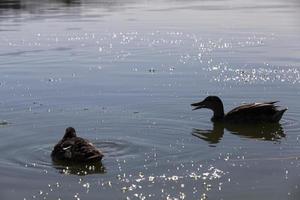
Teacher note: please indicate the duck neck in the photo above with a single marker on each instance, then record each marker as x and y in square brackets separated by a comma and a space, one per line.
[218, 113]
[69, 135]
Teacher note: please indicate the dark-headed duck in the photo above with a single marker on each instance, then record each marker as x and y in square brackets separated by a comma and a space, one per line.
[247, 113]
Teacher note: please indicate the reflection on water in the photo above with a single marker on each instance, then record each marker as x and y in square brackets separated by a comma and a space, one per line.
[265, 131]
[79, 169]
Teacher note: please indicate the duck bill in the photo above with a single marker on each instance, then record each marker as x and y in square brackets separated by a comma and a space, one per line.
[198, 105]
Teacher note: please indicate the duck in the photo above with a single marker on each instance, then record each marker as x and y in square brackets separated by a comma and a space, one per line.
[75, 149]
[246, 113]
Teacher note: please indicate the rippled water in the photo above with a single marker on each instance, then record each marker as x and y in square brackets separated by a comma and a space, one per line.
[124, 73]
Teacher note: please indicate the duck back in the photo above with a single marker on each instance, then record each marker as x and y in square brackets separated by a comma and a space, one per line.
[255, 112]
[76, 149]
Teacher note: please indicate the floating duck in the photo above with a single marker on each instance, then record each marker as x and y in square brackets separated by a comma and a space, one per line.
[247, 113]
[75, 149]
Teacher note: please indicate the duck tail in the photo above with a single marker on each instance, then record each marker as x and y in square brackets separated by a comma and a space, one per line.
[271, 102]
[277, 116]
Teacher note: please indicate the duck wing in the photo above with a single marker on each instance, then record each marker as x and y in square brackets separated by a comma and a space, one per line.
[83, 150]
[255, 112]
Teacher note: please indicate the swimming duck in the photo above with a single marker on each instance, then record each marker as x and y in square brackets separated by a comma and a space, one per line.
[75, 149]
[247, 113]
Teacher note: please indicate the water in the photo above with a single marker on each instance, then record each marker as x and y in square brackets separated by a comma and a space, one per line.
[124, 73]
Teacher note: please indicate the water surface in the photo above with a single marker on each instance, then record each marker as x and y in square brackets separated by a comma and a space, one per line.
[124, 73]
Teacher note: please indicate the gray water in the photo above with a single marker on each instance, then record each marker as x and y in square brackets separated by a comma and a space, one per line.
[123, 73]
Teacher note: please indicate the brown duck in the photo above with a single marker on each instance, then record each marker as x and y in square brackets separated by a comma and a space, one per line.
[247, 113]
[75, 149]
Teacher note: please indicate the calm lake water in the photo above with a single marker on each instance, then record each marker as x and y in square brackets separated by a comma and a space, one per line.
[124, 73]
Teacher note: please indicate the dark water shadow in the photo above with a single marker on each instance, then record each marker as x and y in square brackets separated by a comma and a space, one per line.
[31, 4]
[3, 123]
[264, 131]
[79, 169]
[37, 6]
[11, 4]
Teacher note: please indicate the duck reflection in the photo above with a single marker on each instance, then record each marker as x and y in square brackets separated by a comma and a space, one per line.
[265, 131]
[80, 170]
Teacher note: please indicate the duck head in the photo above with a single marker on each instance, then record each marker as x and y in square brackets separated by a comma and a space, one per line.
[210, 102]
[70, 133]
[213, 103]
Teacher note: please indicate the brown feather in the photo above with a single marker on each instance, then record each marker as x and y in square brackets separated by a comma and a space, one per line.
[75, 149]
